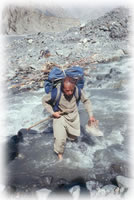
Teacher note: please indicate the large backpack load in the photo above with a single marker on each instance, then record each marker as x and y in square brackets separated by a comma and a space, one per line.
[55, 78]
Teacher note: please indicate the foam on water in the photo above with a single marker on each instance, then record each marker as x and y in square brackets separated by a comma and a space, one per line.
[110, 108]
[23, 110]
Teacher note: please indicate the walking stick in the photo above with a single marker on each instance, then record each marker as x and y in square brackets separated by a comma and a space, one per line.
[25, 130]
[37, 123]
[43, 120]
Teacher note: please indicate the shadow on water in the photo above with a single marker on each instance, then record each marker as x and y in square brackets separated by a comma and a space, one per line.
[63, 188]
[86, 138]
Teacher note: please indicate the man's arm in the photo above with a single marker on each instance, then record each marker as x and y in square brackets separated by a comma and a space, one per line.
[46, 103]
[88, 106]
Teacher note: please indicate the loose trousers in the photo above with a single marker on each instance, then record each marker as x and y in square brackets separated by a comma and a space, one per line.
[62, 132]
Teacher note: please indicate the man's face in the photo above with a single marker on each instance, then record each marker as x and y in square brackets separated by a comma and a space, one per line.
[68, 89]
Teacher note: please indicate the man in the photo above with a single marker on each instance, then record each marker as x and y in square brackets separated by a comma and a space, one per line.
[66, 121]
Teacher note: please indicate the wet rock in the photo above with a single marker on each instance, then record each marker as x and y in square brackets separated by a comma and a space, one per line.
[114, 71]
[125, 182]
[12, 146]
[14, 142]
[42, 193]
[75, 191]
[24, 132]
[98, 190]
[60, 189]
[83, 147]
[109, 189]
[119, 168]
[108, 76]
[100, 77]
[61, 183]
[46, 181]
[87, 140]
[93, 185]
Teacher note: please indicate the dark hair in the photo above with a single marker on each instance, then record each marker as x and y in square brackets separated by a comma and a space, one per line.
[68, 79]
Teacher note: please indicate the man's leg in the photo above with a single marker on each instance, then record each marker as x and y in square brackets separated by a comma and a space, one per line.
[59, 136]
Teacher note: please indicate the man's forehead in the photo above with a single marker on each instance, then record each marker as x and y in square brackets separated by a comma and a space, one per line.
[68, 84]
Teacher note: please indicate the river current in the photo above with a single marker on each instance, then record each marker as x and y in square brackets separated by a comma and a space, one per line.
[90, 156]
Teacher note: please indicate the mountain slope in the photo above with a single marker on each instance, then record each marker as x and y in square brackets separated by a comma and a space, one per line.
[22, 20]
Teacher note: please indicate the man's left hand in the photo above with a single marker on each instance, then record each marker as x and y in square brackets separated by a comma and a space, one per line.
[91, 120]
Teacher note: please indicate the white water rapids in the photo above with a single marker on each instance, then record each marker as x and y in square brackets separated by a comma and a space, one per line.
[90, 155]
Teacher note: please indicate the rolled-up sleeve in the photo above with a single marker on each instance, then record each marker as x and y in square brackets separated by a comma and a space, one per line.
[87, 103]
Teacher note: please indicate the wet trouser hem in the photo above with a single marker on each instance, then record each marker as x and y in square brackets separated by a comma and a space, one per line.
[58, 152]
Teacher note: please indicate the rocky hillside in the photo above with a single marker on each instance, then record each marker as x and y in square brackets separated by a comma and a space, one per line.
[24, 20]
[102, 40]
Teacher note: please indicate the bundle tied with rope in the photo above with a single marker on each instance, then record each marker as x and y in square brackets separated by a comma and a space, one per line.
[93, 128]
[57, 74]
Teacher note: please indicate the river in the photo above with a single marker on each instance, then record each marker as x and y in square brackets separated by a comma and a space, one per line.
[90, 157]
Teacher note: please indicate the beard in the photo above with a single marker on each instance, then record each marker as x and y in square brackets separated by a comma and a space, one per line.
[68, 97]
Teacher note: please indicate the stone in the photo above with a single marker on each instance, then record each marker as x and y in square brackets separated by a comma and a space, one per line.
[125, 182]
[61, 182]
[82, 26]
[85, 41]
[93, 185]
[109, 189]
[100, 77]
[114, 71]
[117, 31]
[12, 148]
[108, 76]
[30, 41]
[42, 193]
[104, 28]
[46, 180]
[75, 191]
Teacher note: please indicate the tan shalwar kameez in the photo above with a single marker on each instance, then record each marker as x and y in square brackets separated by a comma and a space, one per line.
[68, 125]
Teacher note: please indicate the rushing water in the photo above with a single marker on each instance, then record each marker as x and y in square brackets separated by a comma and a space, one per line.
[88, 157]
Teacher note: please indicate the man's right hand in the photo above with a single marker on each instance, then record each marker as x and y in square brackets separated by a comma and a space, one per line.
[57, 114]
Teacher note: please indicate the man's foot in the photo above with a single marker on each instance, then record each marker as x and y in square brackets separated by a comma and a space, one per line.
[60, 157]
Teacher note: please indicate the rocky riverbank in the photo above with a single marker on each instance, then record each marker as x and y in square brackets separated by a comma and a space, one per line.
[100, 41]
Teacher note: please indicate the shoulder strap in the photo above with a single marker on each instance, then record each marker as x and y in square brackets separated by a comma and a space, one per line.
[77, 94]
[55, 97]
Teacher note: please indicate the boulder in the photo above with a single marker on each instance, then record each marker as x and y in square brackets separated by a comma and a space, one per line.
[124, 182]
[75, 191]
[42, 193]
